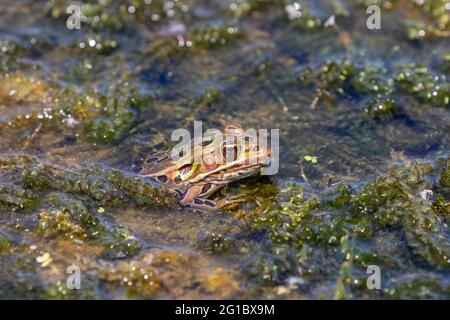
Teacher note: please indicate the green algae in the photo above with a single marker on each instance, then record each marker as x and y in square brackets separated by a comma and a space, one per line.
[68, 217]
[122, 243]
[418, 81]
[111, 187]
[5, 244]
[246, 7]
[354, 220]
[269, 268]
[196, 41]
[382, 107]
[119, 114]
[72, 211]
[103, 118]
[215, 242]
[16, 197]
[335, 80]
[117, 15]
[138, 279]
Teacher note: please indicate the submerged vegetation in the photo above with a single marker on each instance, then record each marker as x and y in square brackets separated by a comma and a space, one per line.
[354, 227]
[364, 175]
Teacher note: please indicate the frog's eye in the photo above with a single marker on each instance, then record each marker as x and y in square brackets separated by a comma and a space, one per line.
[230, 153]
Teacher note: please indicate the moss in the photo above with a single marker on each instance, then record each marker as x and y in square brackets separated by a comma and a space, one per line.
[19, 88]
[386, 4]
[268, 269]
[108, 187]
[444, 181]
[196, 40]
[120, 108]
[364, 222]
[384, 192]
[95, 43]
[138, 190]
[382, 107]
[442, 208]
[246, 7]
[425, 232]
[420, 286]
[299, 15]
[342, 291]
[68, 217]
[344, 79]
[16, 197]
[138, 279]
[214, 242]
[116, 15]
[444, 64]
[214, 36]
[340, 196]
[5, 244]
[433, 23]
[122, 244]
[103, 118]
[221, 283]
[417, 80]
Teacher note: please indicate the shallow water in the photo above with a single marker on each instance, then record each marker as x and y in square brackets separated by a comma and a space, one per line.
[81, 109]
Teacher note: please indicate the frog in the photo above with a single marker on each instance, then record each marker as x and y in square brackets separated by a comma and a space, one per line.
[222, 160]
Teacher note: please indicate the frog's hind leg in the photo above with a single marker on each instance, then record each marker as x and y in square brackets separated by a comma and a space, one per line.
[191, 199]
[195, 198]
[200, 204]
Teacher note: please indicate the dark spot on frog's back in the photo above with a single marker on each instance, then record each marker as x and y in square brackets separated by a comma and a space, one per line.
[209, 203]
[151, 160]
[205, 188]
[198, 201]
[206, 143]
[163, 179]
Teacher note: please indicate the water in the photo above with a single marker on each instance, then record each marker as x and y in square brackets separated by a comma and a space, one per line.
[90, 105]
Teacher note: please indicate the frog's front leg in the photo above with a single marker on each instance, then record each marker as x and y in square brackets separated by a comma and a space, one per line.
[192, 199]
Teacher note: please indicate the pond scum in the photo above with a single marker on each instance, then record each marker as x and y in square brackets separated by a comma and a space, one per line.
[365, 169]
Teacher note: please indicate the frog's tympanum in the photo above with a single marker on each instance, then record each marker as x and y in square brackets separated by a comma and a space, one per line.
[207, 164]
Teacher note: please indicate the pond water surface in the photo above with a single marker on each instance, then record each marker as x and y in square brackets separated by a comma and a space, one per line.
[364, 175]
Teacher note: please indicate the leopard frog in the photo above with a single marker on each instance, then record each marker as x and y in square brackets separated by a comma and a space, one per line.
[222, 161]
